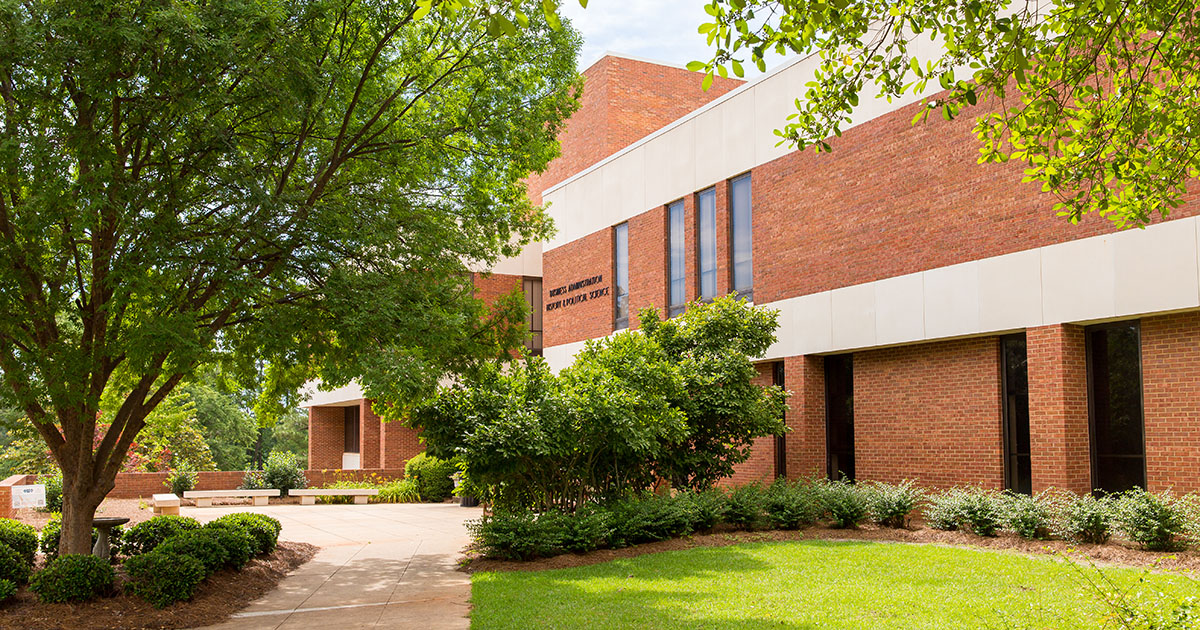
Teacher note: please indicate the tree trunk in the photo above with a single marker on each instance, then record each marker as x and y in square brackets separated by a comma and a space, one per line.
[79, 508]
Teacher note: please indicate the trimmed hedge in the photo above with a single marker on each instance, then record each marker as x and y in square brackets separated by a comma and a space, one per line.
[163, 578]
[262, 528]
[239, 544]
[52, 533]
[147, 535]
[7, 589]
[13, 566]
[432, 476]
[73, 578]
[205, 548]
[20, 537]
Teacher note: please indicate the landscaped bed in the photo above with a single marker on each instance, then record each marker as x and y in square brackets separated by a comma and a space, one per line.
[809, 584]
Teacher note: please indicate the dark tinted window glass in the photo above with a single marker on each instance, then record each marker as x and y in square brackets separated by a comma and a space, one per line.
[839, 416]
[1115, 398]
[676, 261]
[533, 297]
[1018, 472]
[740, 225]
[350, 438]
[621, 271]
[706, 221]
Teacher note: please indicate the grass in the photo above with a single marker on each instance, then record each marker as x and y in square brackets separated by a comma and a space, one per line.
[810, 584]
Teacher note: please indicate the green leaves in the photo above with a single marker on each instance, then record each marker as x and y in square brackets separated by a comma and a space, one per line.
[1095, 97]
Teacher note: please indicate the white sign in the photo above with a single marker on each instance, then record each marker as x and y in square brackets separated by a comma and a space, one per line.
[29, 496]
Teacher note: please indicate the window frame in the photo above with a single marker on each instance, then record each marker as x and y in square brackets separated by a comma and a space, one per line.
[1010, 473]
[1093, 451]
[700, 296]
[747, 293]
[674, 308]
[620, 322]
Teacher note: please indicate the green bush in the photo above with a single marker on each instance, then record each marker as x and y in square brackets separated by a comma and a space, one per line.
[284, 470]
[587, 529]
[53, 485]
[745, 507]
[73, 578]
[13, 566]
[514, 536]
[647, 518]
[432, 476]
[204, 547]
[22, 538]
[254, 480]
[1087, 519]
[262, 528]
[791, 505]
[145, 536]
[399, 491]
[704, 509]
[7, 589]
[846, 503]
[984, 512]
[947, 510]
[181, 480]
[1029, 517]
[344, 484]
[162, 578]
[1190, 506]
[239, 544]
[891, 504]
[1152, 521]
[52, 531]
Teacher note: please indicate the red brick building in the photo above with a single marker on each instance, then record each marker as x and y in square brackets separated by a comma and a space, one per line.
[938, 322]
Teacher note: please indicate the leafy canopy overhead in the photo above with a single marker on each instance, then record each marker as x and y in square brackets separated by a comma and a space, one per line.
[1097, 97]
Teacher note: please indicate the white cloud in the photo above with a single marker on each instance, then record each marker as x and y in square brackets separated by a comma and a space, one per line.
[661, 30]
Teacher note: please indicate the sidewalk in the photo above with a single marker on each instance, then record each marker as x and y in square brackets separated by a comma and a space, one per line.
[380, 566]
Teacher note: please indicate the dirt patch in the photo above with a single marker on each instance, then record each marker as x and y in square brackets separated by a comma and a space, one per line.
[217, 597]
[1112, 554]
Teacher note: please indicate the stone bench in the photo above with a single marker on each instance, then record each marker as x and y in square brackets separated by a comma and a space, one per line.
[309, 496]
[204, 497]
[166, 504]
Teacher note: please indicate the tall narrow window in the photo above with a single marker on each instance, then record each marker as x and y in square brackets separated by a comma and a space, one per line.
[780, 440]
[1018, 470]
[621, 273]
[533, 297]
[1115, 405]
[351, 430]
[675, 259]
[839, 416]
[706, 225]
[740, 228]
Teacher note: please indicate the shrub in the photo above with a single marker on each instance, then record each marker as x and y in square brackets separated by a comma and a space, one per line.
[343, 484]
[399, 491]
[790, 505]
[846, 503]
[13, 566]
[22, 538]
[53, 485]
[7, 589]
[514, 536]
[647, 518]
[205, 548]
[1087, 519]
[947, 510]
[704, 509]
[1030, 517]
[145, 536]
[73, 578]
[52, 532]
[262, 528]
[254, 480]
[1190, 506]
[181, 480]
[239, 544]
[163, 578]
[745, 506]
[585, 530]
[891, 504]
[432, 476]
[284, 470]
[984, 513]
[1152, 521]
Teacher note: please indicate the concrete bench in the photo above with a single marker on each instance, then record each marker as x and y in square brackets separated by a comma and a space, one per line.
[166, 504]
[204, 497]
[309, 496]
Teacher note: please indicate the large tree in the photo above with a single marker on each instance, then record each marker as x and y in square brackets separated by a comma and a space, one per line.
[298, 184]
[1097, 97]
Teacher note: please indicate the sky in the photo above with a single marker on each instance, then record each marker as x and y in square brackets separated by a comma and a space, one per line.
[660, 30]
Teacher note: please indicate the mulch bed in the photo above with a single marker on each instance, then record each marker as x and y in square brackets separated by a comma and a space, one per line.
[1116, 553]
[217, 597]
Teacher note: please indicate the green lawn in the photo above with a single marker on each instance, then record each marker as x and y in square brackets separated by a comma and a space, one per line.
[799, 585]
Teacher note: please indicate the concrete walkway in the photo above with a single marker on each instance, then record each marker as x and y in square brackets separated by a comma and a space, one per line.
[380, 566]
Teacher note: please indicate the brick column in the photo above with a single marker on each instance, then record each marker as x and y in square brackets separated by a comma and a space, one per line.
[400, 444]
[804, 377]
[1171, 387]
[369, 436]
[1058, 413]
[326, 426]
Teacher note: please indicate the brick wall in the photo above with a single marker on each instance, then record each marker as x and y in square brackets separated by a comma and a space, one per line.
[1171, 389]
[6, 485]
[623, 101]
[490, 287]
[563, 265]
[930, 413]
[1058, 411]
[369, 438]
[399, 443]
[326, 436]
[804, 377]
